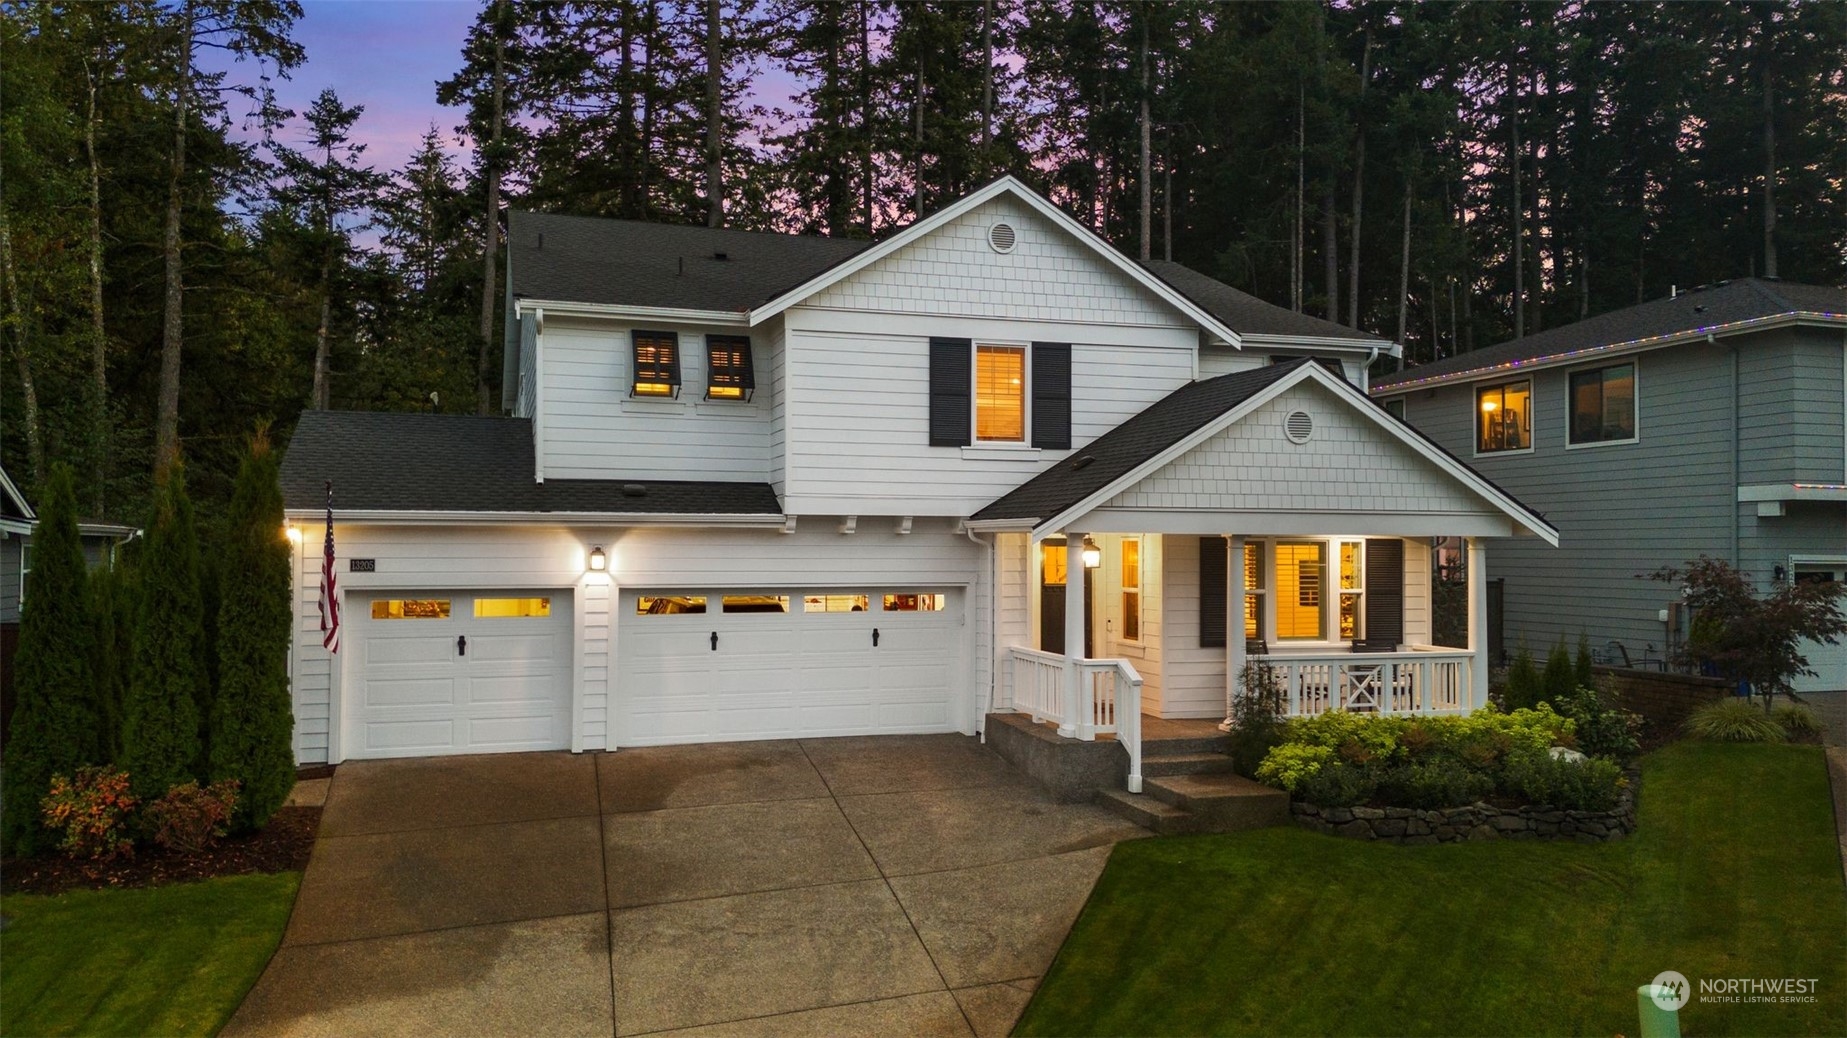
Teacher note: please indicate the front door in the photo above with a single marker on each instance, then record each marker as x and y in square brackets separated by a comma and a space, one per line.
[1052, 598]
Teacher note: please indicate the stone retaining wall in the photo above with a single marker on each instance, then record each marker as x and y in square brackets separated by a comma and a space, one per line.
[1477, 821]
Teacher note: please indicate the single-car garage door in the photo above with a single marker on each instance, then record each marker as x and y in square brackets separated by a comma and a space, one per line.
[457, 672]
[701, 666]
[1829, 662]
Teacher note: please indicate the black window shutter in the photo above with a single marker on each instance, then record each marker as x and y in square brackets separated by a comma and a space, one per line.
[1385, 591]
[1052, 395]
[1213, 588]
[952, 387]
[728, 363]
[657, 358]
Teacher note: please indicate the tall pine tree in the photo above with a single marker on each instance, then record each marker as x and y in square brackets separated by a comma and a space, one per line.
[160, 723]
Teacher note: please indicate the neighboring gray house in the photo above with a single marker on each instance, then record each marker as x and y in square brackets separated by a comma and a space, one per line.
[1708, 423]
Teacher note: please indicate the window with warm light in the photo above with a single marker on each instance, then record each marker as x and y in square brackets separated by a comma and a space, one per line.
[1300, 601]
[729, 375]
[508, 608]
[1132, 589]
[1603, 405]
[1253, 590]
[1000, 394]
[1052, 564]
[668, 605]
[755, 603]
[1352, 583]
[836, 603]
[915, 603]
[657, 364]
[1503, 417]
[410, 609]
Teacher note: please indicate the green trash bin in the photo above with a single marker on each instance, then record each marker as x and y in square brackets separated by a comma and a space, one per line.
[1656, 1021]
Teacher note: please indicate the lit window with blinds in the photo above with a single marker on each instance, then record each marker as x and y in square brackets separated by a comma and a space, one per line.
[729, 375]
[1000, 394]
[1253, 590]
[657, 364]
[1301, 613]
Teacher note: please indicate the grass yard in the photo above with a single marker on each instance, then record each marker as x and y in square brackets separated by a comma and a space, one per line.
[1734, 872]
[172, 960]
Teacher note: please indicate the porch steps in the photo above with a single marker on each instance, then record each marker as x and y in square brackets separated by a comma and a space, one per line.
[1147, 812]
[1212, 802]
[1165, 763]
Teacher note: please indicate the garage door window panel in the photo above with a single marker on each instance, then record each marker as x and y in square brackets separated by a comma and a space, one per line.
[669, 605]
[756, 603]
[914, 603]
[836, 603]
[410, 609]
[512, 608]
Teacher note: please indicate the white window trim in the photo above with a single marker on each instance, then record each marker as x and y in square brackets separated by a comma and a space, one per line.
[1026, 395]
[1532, 428]
[1635, 402]
[1358, 594]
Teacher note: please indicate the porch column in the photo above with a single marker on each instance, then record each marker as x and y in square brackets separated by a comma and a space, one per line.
[1074, 632]
[1234, 625]
[1478, 622]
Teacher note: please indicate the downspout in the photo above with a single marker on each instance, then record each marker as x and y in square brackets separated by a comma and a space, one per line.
[993, 547]
[1732, 492]
[1372, 354]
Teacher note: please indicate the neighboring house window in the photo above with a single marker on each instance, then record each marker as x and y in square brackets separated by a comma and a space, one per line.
[1301, 613]
[25, 568]
[1603, 404]
[1000, 394]
[1132, 589]
[729, 375]
[657, 364]
[1503, 418]
[1395, 407]
[1352, 585]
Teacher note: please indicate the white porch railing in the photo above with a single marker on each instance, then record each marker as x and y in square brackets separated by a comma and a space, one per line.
[1109, 699]
[1432, 682]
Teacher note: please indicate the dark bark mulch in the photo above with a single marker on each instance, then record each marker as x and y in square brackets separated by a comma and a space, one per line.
[283, 846]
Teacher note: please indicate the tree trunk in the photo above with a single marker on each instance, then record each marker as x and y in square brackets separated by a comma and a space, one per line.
[867, 186]
[650, 110]
[1330, 248]
[1147, 172]
[319, 398]
[1299, 245]
[1519, 206]
[917, 205]
[987, 86]
[714, 118]
[1359, 186]
[99, 341]
[1167, 201]
[1769, 147]
[1404, 264]
[22, 355]
[490, 242]
[167, 408]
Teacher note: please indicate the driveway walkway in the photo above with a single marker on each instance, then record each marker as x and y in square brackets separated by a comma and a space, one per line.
[891, 885]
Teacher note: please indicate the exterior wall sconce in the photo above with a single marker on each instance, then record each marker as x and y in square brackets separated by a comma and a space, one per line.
[1780, 574]
[598, 561]
[292, 533]
[1093, 555]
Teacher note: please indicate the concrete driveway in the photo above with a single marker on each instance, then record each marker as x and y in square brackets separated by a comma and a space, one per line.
[888, 885]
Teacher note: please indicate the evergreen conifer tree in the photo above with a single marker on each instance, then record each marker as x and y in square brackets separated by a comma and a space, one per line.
[160, 721]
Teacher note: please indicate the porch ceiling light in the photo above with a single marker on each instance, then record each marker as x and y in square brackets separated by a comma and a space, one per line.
[1093, 555]
[1488, 405]
[598, 561]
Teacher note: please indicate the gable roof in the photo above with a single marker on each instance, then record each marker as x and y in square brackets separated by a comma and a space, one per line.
[13, 504]
[1179, 421]
[381, 462]
[1728, 307]
[1251, 315]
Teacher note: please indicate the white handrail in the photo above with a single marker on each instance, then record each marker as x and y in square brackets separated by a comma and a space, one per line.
[1109, 698]
[1376, 682]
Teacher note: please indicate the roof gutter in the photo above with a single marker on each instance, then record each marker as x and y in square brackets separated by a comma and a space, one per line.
[766, 521]
[567, 308]
[1375, 346]
[1755, 324]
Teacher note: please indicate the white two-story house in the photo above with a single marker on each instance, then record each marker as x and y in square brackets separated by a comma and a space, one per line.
[762, 486]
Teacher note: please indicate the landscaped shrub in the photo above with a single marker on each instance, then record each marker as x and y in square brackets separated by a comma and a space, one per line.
[1797, 720]
[1374, 735]
[1257, 717]
[92, 811]
[1560, 678]
[1586, 676]
[1478, 742]
[1339, 784]
[189, 819]
[1523, 688]
[251, 720]
[1591, 784]
[160, 720]
[1734, 720]
[1439, 783]
[1286, 766]
[1601, 730]
[54, 721]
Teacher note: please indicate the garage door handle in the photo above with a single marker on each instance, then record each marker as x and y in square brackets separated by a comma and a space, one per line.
[461, 645]
[875, 637]
[714, 641]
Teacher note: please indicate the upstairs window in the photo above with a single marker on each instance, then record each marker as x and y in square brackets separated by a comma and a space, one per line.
[1503, 417]
[729, 375]
[657, 364]
[1000, 394]
[1603, 404]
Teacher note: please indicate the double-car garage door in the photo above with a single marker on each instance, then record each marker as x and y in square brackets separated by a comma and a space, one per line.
[491, 671]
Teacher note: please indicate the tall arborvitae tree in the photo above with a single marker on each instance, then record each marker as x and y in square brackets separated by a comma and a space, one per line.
[160, 717]
[54, 728]
[114, 647]
[251, 721]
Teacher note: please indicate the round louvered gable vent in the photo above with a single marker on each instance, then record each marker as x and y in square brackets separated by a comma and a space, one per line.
[1298, 426]
[1001, 237]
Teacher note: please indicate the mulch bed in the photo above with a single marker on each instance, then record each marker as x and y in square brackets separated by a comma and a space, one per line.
[283, 846]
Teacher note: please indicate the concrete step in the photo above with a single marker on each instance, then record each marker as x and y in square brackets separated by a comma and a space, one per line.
[1176, 744]
[1147, 812]
[1222, 803]
[1164, 764]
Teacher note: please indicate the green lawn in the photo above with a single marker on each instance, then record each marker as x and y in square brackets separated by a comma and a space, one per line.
[172, 960]
[1735, 872]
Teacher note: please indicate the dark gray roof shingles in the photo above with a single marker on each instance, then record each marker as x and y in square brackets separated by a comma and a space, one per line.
[1107, 458]
[1701, 308]
[1245, 313]
[380, 461]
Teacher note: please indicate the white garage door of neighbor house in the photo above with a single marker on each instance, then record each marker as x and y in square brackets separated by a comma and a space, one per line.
[458, 672]
[765, 664]
[1829, 662]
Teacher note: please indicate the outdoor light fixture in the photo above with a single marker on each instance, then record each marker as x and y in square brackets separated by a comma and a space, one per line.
[292, 533]
[1093, 555]
[598, 561]
[1488, 405]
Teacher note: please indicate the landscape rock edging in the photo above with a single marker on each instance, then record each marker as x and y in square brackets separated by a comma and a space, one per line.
[1477, 821]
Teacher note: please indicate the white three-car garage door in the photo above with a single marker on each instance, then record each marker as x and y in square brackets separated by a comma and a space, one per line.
[710, 666]
[458, 672]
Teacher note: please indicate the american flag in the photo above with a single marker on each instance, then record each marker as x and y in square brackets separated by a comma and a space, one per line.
[330, 602]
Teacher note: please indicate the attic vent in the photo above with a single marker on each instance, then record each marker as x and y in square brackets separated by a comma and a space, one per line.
[1298, 427]
[1083, 461]
[721, 256]
[634, 490]
[1001, 237]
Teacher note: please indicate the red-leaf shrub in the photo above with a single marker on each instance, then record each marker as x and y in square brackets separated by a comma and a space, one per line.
[92, 811]
[188, 819]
